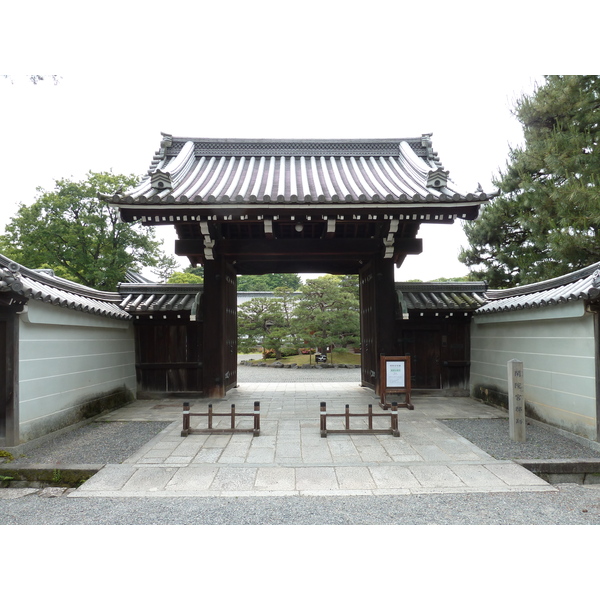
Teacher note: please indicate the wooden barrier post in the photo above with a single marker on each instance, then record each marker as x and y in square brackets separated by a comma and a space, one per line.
[395, 430]
[186, 419]
[233, 416]
[256, 418]
[347, 413]
[210, 416]
[516, 401]
[323, 419]
[370, 416]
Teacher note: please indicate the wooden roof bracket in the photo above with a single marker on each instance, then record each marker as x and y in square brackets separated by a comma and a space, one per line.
[209, 243]
[330, 232]
[268, 225]
[389, 240]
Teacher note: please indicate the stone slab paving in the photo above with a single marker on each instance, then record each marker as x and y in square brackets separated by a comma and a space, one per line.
[291, 458]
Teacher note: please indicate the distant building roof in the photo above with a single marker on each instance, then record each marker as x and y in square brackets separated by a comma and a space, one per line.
[583, 284]
[44, 286]
[205, 171]
[133, 277]
[442, 296]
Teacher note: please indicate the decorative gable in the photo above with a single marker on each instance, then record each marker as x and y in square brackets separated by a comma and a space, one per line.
[438, 178]
[161, 180]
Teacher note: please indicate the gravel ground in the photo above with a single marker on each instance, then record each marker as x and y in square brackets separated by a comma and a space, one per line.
[95, 443]
[492, 436]
[571, 505]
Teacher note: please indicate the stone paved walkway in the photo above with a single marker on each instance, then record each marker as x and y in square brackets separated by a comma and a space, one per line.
[291, 458]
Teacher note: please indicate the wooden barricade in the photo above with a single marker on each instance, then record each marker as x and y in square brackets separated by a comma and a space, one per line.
[187, 429]
[393, 416]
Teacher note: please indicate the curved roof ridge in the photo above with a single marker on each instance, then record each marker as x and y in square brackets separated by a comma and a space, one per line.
[405, 170]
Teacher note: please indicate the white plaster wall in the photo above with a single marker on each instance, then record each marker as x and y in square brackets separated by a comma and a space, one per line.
[557, 347]
[68, 359]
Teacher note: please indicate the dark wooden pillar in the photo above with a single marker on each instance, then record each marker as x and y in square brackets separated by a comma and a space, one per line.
[9, 381]
[377, 309]
[219, 348]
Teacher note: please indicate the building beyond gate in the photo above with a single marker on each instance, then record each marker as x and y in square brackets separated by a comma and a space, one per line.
[299, 206]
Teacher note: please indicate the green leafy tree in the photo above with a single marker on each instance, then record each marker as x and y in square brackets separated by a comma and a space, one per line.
[264, 322]
[327, 313]
[546, 221]
[71, 231]
[198, 271]
[165, 268]
[268, 282]
[184, 277]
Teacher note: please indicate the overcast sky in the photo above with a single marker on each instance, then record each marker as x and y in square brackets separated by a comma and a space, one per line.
[261, 69]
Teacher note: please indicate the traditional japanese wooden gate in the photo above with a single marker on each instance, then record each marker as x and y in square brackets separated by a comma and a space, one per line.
[295, 206]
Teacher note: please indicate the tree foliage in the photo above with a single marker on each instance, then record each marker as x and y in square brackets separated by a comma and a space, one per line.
[323, 313]
[188, 275]
[266, 322]
[268, 282]
[71, 231]
[327, 313]
[185, 277]
[546, 221]
[165, 269]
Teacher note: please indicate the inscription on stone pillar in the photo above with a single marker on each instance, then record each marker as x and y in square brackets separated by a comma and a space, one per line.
[516, 401]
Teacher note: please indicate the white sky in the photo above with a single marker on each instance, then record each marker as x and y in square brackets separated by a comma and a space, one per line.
[264, 69]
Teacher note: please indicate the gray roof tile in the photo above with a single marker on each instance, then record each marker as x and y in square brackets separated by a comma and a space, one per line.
[442, 296]
[583, 284]
[155, 297]
[43, 285]
[191, 171]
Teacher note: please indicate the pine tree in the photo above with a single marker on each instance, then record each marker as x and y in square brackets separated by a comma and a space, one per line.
[546, 221]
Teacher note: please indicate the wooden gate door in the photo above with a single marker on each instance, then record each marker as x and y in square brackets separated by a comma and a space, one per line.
[423, 346]
[377, 318]
[168, 357]
[220, 328]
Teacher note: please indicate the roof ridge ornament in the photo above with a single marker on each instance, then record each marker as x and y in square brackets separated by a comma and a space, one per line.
[10, 278]
[438, 178]
[161, 180]
[428, 145]
[594, 290]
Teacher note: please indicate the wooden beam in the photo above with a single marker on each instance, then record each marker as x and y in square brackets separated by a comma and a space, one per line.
[299, 247]
[263, 248]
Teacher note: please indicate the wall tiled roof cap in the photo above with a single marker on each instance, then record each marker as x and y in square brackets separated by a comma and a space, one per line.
[583, 284]
[156, 297]
[43, 285]
[442, 296]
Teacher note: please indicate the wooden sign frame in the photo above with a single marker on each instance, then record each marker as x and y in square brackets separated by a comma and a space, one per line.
[395, 379]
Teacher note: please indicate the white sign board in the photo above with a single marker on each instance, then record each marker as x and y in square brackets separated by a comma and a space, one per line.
[395, 374]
